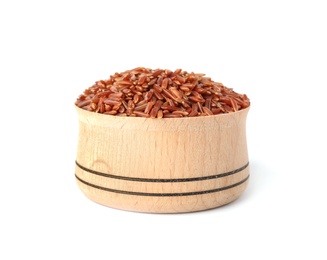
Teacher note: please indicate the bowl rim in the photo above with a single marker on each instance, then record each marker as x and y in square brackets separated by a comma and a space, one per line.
[90, 113]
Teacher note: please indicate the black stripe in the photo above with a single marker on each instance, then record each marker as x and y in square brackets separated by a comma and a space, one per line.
[163, 180]
[163, 194]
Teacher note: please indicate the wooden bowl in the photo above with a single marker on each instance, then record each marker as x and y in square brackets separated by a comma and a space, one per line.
[162, 165]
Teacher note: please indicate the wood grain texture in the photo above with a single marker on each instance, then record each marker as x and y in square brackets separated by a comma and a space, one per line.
[162, 165]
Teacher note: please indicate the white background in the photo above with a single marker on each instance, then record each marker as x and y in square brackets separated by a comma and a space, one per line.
[274, 51]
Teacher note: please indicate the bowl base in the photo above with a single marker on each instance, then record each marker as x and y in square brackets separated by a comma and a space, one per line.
[162, 204]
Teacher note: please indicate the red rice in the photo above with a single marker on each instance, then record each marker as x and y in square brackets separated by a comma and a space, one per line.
[160, 93]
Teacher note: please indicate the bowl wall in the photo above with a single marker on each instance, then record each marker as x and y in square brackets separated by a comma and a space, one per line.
[162, 165]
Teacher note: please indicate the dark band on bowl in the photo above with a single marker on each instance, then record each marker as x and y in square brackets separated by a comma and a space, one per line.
[163, 180]
[163, 194]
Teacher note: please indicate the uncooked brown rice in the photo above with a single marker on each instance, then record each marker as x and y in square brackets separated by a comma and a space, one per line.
[159, 93]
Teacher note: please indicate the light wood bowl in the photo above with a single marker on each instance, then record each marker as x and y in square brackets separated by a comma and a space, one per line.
[162, 165]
